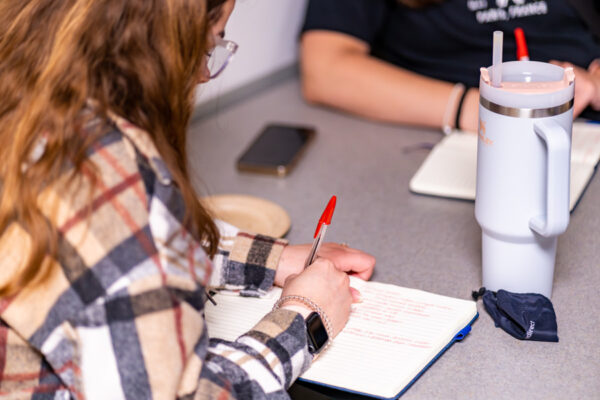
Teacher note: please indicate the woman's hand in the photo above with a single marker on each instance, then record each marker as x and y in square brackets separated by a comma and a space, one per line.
[345, 259]
[594, 74]
[326, 286]
[587, 85]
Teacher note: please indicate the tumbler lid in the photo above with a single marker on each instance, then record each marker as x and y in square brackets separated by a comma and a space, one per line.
[526, 84]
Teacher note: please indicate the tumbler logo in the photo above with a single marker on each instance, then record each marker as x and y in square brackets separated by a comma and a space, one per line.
[481, 133]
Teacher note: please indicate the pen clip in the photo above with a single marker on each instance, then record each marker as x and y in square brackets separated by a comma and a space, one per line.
[209, 296]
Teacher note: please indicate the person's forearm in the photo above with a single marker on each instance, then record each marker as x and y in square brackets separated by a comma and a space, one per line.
[372, 88]
[267, 359]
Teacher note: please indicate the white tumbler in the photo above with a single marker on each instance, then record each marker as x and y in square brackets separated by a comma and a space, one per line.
[523, 164]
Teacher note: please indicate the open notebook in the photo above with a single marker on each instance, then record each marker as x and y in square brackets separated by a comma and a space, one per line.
[391, 338]
[450, 170]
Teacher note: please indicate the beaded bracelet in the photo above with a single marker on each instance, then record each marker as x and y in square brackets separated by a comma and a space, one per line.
[313, 306]
[456, 94]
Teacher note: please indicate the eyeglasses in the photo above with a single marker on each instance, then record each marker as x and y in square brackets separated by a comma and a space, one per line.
[220, 56]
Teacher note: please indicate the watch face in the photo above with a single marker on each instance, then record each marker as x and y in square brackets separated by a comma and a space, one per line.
[317, 334]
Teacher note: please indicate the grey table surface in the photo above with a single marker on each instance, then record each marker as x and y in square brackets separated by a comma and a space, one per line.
[421, 242]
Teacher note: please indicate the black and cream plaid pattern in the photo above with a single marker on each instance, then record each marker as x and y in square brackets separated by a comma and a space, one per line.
[120, 314]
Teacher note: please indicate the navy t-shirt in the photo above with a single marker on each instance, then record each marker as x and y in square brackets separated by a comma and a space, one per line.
[452, 40]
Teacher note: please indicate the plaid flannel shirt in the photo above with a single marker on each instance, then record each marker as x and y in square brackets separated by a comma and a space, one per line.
[120, 313]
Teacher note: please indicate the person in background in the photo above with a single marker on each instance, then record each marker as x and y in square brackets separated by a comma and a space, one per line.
[417, 61]
[106, 254]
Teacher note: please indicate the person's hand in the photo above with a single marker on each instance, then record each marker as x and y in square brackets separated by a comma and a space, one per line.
[594, 73]
[326, 286]
[345, 259]
[587, 85]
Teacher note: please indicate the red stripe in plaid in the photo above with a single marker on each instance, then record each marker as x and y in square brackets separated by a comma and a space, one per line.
[41, 389]
[207, 264]
[5, 302]
[176, 307]
[226, 392]
[179, 327]
[107, 195]
[190, 257]
[208, 267]
[25, 376]
[3, 346]
[114, 162]
[148, 246]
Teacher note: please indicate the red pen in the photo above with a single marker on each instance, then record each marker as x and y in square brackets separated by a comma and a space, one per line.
[324, 222]
[522, 52]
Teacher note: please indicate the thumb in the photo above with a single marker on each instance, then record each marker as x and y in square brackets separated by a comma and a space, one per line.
[289, 277]
[356, 296]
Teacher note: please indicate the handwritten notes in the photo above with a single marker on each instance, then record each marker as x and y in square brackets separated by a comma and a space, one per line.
[388, 317]
[391, 336]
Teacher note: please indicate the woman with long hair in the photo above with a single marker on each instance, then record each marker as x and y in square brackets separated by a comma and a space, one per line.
[106, 253]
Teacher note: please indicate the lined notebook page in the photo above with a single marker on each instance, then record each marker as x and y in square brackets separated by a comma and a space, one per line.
[390, 337]
[450, 170]
[234, 315]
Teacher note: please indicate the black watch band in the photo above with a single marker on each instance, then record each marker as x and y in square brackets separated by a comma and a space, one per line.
[316, 333]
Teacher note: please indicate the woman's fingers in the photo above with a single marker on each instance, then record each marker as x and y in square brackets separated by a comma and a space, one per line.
[356, 296]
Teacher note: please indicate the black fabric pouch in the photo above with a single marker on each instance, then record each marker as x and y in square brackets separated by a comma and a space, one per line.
[526, 316]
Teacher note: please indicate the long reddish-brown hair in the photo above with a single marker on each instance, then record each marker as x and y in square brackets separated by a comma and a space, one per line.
[139, 59]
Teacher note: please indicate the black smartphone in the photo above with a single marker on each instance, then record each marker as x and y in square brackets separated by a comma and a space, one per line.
[276, 149]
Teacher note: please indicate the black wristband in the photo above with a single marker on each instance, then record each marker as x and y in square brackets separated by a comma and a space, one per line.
[317, 336]
[459, 108]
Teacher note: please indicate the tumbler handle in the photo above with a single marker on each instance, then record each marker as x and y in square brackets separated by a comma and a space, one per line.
[557, 179]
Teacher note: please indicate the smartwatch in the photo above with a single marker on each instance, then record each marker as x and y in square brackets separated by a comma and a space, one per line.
[316, 333]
